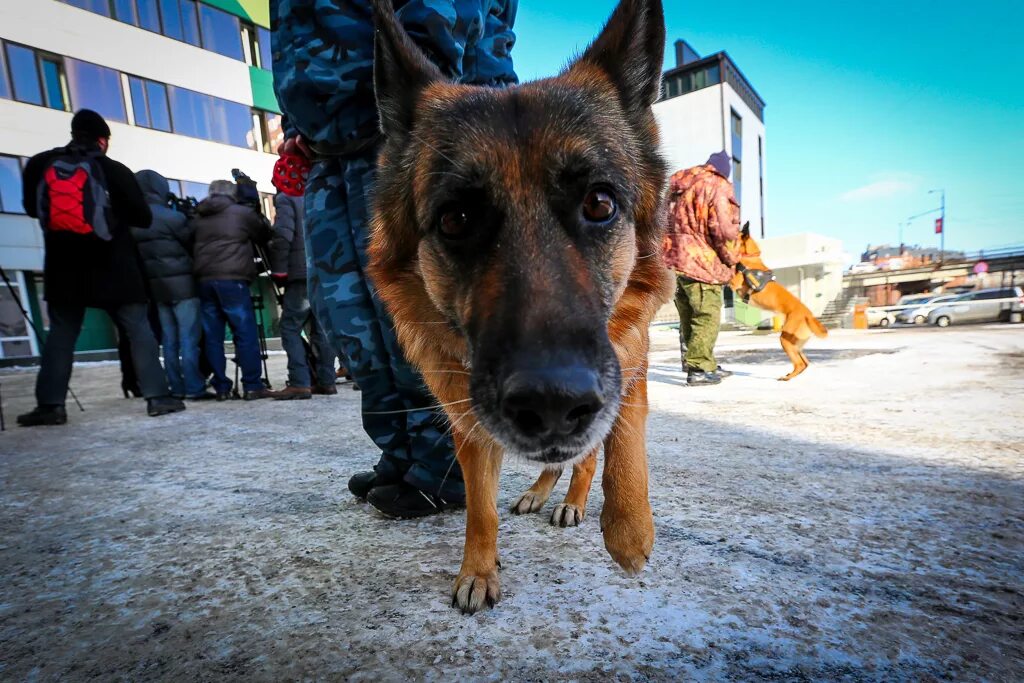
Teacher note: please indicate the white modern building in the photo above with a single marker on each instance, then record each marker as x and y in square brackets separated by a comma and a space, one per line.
[708, 106]
[184, 84]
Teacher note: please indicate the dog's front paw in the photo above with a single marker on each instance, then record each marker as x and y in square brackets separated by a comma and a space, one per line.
[629, 538]
[531, 501]
[474, 591]
[567, 514]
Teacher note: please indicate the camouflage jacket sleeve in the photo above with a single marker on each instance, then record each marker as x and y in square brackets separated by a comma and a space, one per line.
[724, 223]
[323, 57]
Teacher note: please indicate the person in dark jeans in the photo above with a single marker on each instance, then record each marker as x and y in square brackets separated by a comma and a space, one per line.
[288, 267]
[225, 232]
[84, 269]
[166, 251]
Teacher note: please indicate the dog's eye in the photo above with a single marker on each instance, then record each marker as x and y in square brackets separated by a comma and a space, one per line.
[599, 206]
[454, 223]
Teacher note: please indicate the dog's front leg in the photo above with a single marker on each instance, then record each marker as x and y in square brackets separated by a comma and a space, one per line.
[626, 520]
[478, 584]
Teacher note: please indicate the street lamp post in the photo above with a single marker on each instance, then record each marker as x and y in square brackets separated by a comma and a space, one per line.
[942, 232]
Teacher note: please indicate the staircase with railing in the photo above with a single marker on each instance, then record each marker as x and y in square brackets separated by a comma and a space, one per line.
[839, 309]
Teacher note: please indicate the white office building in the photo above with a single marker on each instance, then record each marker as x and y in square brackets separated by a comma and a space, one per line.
[707, 106]
[184, 84]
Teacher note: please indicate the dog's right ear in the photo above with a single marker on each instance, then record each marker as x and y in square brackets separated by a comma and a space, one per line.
[630, 50]
[400, 72]
[745, 231]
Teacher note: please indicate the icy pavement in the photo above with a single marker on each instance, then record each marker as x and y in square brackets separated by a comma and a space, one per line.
[863, 522]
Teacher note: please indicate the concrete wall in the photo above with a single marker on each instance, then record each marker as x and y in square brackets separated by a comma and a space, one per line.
[808, 265]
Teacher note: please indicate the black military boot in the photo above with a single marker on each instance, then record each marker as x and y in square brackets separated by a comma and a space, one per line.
[696, 377]
[44, 415]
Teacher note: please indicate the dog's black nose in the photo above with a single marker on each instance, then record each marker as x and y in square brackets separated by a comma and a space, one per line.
[551, 402]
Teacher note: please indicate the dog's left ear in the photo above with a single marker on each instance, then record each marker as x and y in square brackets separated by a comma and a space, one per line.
[631, 49]
[400, 72]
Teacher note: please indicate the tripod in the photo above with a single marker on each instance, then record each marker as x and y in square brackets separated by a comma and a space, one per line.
[264, 266]
[39, 337]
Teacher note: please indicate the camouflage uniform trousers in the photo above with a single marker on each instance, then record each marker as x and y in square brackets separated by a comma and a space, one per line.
[399, 413]
[700, 315]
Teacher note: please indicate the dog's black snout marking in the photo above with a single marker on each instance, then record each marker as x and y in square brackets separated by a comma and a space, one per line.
[551, 402]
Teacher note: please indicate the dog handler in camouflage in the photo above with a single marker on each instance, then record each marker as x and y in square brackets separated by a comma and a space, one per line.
[323, 77]
[703, 247]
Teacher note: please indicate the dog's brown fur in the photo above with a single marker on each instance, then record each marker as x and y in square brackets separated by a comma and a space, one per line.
[800, 323]
[439, 309]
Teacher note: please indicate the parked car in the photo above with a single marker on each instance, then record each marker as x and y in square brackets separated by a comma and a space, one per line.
[918, 315]
[879, 316]
[981, 306]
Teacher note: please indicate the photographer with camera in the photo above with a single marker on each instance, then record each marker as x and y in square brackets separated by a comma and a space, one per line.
[166, 252]
[225, 232]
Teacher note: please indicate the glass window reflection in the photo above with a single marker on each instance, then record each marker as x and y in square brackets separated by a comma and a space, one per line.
[97, 88]
[221, 32]
[24, 74]
[10, 185]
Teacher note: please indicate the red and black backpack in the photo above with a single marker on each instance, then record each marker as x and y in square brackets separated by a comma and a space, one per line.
[73, 195]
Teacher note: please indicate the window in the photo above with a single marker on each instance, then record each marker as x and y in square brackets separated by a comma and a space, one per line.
[10, 185]
[221, 32]
[5, 85]
[170, 16]
[210, 118]
[266, 49]
[195, 190]
[14, 332]
[149, 15]
[97, 88]
[97, 6]
[190, 22]
[275, 132]
[159, 112]
[140, 108]
[268, 135]
[149, 102]
[737, 179]
[737, 124]
[124, 10]
[53, 82]
[250, 50]
[24, 74]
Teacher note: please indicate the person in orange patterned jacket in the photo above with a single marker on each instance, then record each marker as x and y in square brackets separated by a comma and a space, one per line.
[703, 247]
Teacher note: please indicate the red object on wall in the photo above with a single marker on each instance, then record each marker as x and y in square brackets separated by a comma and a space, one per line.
[938, 226]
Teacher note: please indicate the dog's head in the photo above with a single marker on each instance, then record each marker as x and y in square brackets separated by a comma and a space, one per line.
[521, 213]
[749, 248]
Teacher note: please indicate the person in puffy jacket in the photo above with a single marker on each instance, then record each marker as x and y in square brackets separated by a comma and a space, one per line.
[323, 78]
[703, 247]
[224, 264]
[166, 252]
[288, 267]
[87, 271]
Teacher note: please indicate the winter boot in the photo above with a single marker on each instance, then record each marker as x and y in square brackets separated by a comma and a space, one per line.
[163, 405]
[44, 415]
[404, 501]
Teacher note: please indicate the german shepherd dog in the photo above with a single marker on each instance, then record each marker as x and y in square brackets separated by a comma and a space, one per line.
[516, 241]
[800, 322]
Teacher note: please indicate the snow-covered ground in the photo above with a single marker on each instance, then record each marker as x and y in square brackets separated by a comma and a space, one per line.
[863, 522]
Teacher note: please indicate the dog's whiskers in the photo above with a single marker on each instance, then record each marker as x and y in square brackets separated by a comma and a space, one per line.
[413, 410]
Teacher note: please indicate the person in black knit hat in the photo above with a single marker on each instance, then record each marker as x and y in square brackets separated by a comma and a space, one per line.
[86, 203]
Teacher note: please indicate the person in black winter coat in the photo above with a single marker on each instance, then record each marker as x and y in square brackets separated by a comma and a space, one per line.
[224, 263]
[288, 267]
[166, 252]
[84, 270]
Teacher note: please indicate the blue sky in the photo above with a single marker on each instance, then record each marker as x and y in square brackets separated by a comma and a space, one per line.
[869, 106]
